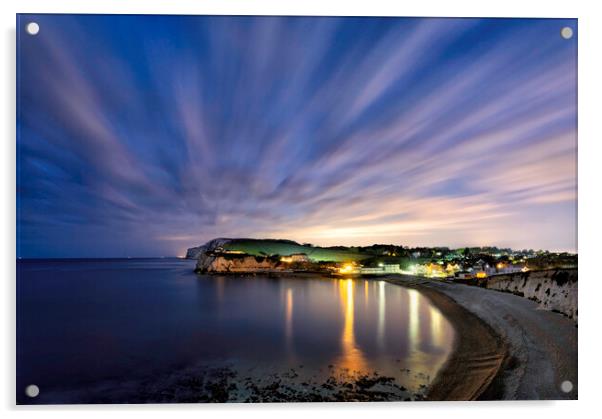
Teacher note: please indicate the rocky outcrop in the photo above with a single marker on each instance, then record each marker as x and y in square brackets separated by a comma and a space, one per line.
[554, 289]
[210, 246]
[215, 263]
[194, 252]
[219, 256]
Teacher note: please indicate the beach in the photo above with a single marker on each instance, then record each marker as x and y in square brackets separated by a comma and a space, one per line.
[506, 348]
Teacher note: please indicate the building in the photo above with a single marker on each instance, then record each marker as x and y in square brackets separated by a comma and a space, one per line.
[391, 268]
[481, 269]
[381, 269]
[435, 270]
[510, 269]
[418, 269]
[452, 268]
[464, 275]
[295, 258]
[372, 271]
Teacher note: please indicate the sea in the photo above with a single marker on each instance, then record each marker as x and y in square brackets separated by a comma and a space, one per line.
[152, 330]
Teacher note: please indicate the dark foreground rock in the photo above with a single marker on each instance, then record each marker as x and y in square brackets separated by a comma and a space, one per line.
[224, 384]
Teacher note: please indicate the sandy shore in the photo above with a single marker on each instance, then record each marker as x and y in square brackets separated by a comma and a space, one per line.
[478, 351]
[506, 348]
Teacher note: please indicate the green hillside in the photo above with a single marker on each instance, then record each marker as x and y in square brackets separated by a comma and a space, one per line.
[286, 247]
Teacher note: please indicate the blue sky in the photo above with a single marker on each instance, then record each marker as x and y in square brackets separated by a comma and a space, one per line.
[145, 135]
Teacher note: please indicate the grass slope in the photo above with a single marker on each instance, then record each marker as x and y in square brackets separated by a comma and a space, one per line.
[286, 247]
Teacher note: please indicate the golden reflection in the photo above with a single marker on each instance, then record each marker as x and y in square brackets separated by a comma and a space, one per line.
[366, 293]
[423, 359]
[436, 327]
[289, 315]
[414, 321]
[381, 314]
[352, 357]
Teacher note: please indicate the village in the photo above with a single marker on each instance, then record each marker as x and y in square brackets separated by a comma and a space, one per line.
[460, 264]
[479, 269]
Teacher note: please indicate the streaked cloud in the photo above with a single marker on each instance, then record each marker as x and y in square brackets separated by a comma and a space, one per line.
[146, 135]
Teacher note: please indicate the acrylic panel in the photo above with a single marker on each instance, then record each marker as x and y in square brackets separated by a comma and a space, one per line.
[295, 209]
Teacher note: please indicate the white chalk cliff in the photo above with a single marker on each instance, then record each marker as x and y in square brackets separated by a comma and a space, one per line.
[211, 245]
[554, 289]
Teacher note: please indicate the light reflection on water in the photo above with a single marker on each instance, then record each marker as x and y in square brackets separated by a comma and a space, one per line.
[436, 326]
[428, 334]
[289, 322]
[123, 318]
[382, 305]
[352, 357]
[414, 322]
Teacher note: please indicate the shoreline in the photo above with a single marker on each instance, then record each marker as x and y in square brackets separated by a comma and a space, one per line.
[477, 356]
[468, 373]
[541, 357]
[506, 347]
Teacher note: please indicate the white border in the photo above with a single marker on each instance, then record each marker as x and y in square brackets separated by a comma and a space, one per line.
[590, 211]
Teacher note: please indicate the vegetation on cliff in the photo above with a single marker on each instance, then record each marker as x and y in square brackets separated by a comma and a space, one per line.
[275, 247]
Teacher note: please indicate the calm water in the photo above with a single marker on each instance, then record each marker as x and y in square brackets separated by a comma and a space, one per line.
[82, 323]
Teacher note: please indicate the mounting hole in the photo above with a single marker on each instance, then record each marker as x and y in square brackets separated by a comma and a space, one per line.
[32, 390]
[566, 32]
[32, 28]
[566, 386]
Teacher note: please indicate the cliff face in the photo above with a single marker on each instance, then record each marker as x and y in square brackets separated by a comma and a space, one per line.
[195, 252]
[210, 263]
[554, 289]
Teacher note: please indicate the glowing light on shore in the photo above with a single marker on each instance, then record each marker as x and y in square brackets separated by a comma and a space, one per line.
[347, 268]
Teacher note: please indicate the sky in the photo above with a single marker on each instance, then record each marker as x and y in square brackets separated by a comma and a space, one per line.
[146, 135]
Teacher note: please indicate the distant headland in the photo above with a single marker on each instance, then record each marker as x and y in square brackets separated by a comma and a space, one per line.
[246, 255]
